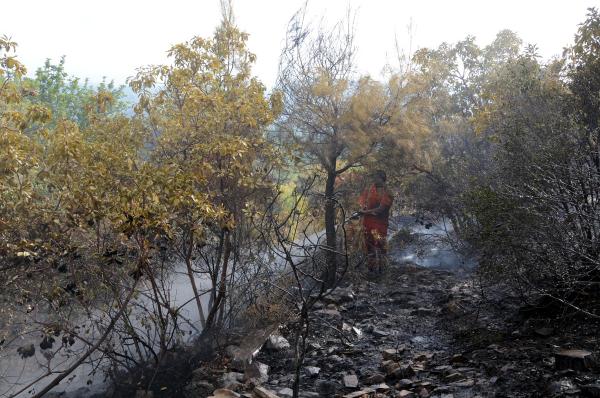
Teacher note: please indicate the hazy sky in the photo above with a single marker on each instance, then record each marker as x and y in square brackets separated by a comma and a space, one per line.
[112, 38]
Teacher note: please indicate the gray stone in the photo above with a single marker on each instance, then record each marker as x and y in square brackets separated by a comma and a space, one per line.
[562, 387]
[374, 379]
[231, 380]
[574, 359]
[262, 392]
[453, 377]
[390, 354]
[329, 313]
[277, 343]
[257, 371]
[405, 394]
[312, 371]
[327, 388]
[544, 332]
[350, 381]
[365, 392]
[225, 393]
[309, 394]
[286, 392]
[404, 372]
[380, 333]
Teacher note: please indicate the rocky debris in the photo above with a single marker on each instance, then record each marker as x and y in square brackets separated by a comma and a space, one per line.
[390, 339]
[257, 371]
[285, 393]
[312, 371]
[232, 381]
[544, 332]
[340, 296]
[262, 392]
[237, 357]
[277, 342]
[327, 388]
[350, 381]
[574, 359]
[392, 354]
[224, 393]
[564, 386]
[362, 393]
[329, 313]
[376, 378]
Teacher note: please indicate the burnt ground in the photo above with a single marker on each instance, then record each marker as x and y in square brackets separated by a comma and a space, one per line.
[431, 332]
[419, 332]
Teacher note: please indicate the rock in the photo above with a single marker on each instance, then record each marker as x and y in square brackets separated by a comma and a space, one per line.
[277, 343]
[458, 358]
[286, 392]
[404, 372]
[374, 379]
[312, 371]
[365, 392]
[390, 366]
[465, 383]
[591, 390]
[423, 356]
[405, 394]
[453, 377]
[225, 393]
[257, 371]
[329, 313]
[544, 332]
[418, 340]
[236, 357]
[231, 380]
[262, 392]
[404, 383]
[350, 381]
[309, 394]
[573, 359]
[198, 388]
[564, 386]
[391, 354]
[340, 296]
[382, 387]
[421, 311]
[380, 333]
[326, 388]
[443, 369]
[423, 393]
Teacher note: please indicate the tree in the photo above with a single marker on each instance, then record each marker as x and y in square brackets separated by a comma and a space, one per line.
[335, 119]
[207, 115]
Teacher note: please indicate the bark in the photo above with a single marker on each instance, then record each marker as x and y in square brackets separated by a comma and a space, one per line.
[330, 233]
[190, 272]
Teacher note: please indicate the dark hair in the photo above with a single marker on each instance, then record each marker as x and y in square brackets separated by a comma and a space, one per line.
[380, 173]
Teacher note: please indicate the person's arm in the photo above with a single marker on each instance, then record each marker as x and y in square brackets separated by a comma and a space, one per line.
[384, 204]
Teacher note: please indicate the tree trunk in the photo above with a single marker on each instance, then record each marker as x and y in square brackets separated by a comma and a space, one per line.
[210, 319]
[330, 233]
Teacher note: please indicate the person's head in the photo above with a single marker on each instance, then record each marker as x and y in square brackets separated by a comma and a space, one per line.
[379, 177]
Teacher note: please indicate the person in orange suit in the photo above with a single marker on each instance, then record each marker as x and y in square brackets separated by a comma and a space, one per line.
[375, 202]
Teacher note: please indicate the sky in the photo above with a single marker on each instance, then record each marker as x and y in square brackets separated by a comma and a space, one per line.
[114, 37]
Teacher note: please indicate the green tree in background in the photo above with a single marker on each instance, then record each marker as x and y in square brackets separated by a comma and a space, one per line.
[68, 97]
